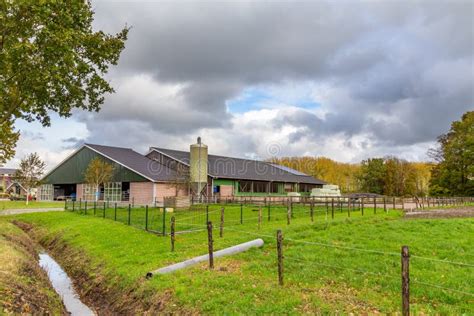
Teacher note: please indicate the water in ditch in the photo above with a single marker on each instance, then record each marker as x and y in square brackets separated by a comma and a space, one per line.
[63, 286]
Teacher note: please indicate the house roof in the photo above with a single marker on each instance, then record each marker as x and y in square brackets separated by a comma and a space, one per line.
[244, 169]
[136, 162]
[7, 171]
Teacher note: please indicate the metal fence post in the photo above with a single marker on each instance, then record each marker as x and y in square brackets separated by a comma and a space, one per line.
[375, 205]
[221, 228]
[73, 202]
[280, 256]
[241, 213]
[311, 210]
[115, 211]
[146, 217]
[207, 213]
[405, 281]
[269, 207]
[362, 201]
[85, 207]
[164, 221]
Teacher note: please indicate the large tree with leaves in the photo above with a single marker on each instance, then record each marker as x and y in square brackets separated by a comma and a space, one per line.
[51, 60]
[29, 173]
[454, 173]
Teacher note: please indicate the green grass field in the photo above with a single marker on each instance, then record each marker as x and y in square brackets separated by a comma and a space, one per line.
[341, 265]
[14, 205]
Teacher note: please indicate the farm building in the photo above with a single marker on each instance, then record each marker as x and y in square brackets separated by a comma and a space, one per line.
[161, 173]
[8, 184]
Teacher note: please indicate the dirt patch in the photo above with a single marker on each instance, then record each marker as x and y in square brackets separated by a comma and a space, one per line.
[100, 290]
[442, 213]
[343, 295]
[24, 286]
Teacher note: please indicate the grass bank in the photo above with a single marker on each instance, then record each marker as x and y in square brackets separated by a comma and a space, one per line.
[345, 265]
[24, 287]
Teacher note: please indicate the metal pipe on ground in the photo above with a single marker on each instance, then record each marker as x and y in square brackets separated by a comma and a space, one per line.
[221, 253]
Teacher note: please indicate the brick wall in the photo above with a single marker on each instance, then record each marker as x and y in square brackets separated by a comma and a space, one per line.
[226, 190]
[141, 192]
[78, 191]
[164, 189]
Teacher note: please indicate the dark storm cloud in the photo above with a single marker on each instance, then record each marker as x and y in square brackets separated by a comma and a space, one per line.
[400, 71]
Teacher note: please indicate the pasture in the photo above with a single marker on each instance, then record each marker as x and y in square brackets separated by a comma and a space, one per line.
[349, 263]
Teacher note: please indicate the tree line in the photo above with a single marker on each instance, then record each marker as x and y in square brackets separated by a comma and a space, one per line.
[450, 173]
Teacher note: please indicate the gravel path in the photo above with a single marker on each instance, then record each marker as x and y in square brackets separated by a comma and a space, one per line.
[442, 213]
[31, 210]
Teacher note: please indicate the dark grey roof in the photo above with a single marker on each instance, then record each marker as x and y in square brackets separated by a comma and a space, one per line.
[136, 162]
[8, 171]
[245, 169]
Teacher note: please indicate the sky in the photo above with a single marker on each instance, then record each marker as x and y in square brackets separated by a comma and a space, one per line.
[343, 79]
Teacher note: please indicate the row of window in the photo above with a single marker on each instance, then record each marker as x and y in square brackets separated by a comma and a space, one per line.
[112, 191]
[272, 187]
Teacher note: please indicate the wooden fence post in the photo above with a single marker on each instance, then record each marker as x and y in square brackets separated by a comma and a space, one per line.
[129, 213]
[280, 256]
[104, 210]
[221, 227]
[172, 232]
[312, 210]
[210, 245]
[95, 207]
[259, 216]
[405, 281]
[207, 213]
[288, 214]
[80, 204]
[384, 205]
[85, 207]
[393, 200]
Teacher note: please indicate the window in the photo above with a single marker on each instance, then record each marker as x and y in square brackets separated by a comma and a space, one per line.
[260, 187]
[274, 187]
[113, 191]
[245, 186]
[88, 192]
[288, 187]
[46, 192]
[307, 187]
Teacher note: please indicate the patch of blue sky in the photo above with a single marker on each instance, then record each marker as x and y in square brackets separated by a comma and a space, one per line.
[260, 98]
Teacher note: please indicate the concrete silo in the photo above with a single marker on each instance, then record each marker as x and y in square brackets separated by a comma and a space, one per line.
[198, 163]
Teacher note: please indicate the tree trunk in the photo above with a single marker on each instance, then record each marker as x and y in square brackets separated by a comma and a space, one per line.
[97, 192]
[27, 195]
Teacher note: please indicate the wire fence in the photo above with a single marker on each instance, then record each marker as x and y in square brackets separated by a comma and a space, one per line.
[301, 255]
[157, 219]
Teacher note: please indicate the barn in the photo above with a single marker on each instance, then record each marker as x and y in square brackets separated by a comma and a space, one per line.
[159, 173]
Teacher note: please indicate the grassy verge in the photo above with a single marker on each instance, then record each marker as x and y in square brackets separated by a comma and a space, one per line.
[345, 265]
[13, 205]
[24, 287]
